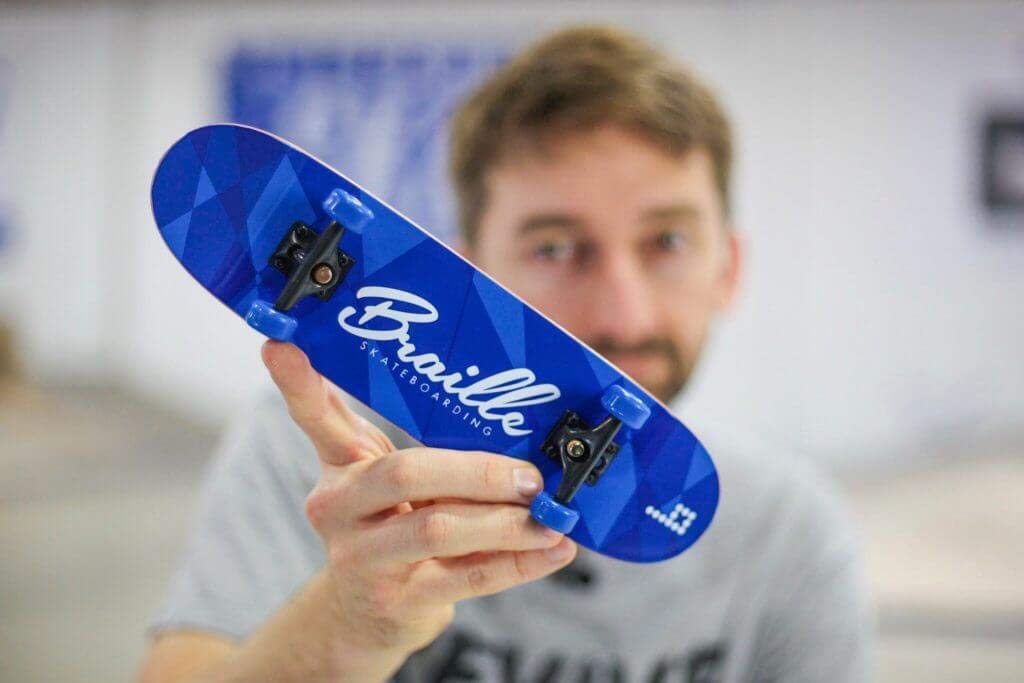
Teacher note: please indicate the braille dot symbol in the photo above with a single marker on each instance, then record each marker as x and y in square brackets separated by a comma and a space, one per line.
[670, 521]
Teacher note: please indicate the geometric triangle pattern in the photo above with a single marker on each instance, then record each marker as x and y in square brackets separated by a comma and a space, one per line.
[382, 248]
[424, 339]
[205, 189]
[176, 232]
[606, 375]
[384, 391]
[700, 467]
[507, 320]
[599, 513]
[282, 201]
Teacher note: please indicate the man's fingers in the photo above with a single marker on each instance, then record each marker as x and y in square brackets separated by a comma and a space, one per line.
[454, 579]
[419, 474]
[359, 424]
[454, 530]
[309, 399]
[372, 432]
[343, 408]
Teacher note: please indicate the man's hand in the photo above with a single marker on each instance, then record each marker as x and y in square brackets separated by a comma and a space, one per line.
[409, 532]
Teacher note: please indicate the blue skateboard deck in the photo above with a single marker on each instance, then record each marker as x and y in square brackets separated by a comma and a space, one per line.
[418, 334]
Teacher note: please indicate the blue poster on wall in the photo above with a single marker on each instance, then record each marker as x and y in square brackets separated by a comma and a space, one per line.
[377, 113]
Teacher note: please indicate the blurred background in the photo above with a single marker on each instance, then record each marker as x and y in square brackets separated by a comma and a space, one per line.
[880, 186]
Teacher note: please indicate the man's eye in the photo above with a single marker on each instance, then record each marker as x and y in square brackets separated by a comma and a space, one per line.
[670, 240]
[555, 251]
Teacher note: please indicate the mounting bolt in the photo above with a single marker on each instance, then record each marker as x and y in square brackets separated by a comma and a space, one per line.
[576, 449]
[323, 274]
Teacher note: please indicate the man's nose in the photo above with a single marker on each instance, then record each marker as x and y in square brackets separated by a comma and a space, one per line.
[624, 307]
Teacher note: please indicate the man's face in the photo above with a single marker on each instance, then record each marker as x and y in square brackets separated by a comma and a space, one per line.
[619, 242]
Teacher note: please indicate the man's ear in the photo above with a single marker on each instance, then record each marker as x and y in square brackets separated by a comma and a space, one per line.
[732, 269]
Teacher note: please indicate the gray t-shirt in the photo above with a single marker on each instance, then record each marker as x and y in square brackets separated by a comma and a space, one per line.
[772, 592]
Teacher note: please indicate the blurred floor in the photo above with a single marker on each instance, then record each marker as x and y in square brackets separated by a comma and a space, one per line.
[945, 557]
[97, 487]
[96, 491]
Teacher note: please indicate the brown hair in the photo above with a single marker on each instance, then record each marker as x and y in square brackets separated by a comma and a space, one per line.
[577, 79]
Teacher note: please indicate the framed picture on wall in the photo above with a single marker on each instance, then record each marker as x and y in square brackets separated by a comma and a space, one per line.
[1003, 164]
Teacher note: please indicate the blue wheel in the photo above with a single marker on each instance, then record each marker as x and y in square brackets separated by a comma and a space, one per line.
[546, 510]
[270, 321]
[347, 210]
[627, 407]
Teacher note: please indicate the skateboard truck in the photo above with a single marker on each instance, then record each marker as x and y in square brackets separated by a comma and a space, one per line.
[585, 453]
[313, 263]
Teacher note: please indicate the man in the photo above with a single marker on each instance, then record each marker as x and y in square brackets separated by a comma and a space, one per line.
[592, 175]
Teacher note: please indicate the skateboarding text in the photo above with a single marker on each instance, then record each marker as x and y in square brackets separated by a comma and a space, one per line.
[495, 397]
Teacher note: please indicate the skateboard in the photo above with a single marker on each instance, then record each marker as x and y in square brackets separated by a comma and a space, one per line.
[404, 324]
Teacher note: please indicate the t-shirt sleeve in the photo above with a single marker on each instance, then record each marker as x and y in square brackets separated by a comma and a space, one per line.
[816, 625]
[251, 547]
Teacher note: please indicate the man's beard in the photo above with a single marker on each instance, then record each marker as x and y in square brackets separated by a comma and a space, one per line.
[680, 363]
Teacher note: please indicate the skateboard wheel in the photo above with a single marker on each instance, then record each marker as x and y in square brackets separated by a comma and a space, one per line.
[271, 322]
[628, 408]
[347, 210]
[546, 510]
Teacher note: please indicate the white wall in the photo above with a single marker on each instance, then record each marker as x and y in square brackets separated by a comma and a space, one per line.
[881, 316]
[57, 172]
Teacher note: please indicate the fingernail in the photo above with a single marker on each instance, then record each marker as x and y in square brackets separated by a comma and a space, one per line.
[559, 552]
[526, 480]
